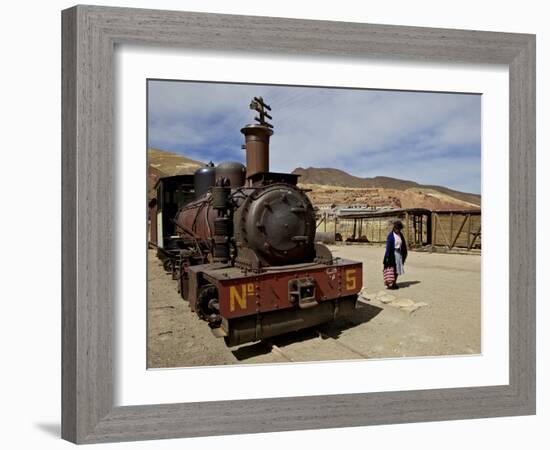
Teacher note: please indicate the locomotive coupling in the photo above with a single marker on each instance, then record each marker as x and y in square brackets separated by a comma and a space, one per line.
[301, 292]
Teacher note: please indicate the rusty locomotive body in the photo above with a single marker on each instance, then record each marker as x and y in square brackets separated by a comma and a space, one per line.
[240, 242]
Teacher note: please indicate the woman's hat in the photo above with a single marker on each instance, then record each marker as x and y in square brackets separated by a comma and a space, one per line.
[398, 224]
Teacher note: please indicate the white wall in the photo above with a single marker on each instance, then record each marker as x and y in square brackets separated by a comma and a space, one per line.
[30, 306]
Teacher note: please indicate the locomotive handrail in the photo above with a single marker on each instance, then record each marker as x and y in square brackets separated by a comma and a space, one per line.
[185, 229]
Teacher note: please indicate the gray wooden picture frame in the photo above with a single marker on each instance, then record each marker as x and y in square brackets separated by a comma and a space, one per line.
[90, 34]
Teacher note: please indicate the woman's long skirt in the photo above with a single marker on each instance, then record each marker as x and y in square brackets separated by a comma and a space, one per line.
[399, 268]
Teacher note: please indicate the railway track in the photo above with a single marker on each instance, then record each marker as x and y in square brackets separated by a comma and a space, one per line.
[288, 353]
[324, 335]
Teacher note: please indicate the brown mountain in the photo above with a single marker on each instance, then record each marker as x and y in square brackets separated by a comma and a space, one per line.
[163, 164]
[171, 163]
[330, 186]
[336, 177]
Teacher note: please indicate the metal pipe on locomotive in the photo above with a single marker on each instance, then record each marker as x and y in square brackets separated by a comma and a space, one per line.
[245, 255]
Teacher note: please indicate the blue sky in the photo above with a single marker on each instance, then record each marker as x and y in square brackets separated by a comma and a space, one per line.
[431, 138]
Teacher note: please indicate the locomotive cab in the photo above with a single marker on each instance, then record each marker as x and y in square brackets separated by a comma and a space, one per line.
[171, 194]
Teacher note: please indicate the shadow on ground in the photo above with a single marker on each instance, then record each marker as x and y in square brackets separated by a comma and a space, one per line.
[363, 313]
[406, 284]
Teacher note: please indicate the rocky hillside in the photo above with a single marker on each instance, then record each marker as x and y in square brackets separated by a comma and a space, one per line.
[171, 163]
[339, 178]
[336, 187]
[165, 164]
[326, 195]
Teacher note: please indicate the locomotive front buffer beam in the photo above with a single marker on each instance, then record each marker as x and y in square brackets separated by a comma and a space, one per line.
[246, 307]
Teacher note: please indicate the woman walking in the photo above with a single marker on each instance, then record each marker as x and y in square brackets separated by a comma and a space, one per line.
[395, 256]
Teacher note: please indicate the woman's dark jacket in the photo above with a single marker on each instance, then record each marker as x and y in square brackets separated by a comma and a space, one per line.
[389, 256]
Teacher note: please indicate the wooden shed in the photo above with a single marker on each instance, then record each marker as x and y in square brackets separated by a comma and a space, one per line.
[457, 229]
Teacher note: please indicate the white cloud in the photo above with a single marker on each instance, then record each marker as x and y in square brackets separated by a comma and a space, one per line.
[363, 132]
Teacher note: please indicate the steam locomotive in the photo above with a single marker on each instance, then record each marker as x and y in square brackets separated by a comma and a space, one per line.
[240, 242]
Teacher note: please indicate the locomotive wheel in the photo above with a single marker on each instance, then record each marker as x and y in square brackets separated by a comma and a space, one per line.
[183, 286]
[208, 305]
[167, 265]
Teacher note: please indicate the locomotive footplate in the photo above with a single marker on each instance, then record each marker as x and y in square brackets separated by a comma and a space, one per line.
[253, 306]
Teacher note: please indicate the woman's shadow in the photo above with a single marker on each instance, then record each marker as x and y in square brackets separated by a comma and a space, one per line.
[406, 284]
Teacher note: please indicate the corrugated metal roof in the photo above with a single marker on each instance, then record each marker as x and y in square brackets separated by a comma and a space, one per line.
[394, 212]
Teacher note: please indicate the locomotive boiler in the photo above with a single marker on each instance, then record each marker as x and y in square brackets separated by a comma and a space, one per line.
[245, 257]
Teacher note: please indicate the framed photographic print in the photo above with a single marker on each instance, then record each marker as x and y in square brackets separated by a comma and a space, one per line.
[264, 228]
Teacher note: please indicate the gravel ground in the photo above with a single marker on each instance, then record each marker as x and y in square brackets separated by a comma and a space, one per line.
[437, 311]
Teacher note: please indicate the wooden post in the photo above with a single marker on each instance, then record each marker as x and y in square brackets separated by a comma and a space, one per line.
[371, 224]
[451, 229]
[476, 234]
[434, 229]
[415, 229]
[469, 231]
[407, 225]
[318, 224]
[429, 230]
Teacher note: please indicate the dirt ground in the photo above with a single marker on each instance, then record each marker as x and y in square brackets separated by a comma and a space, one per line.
[437, 311]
